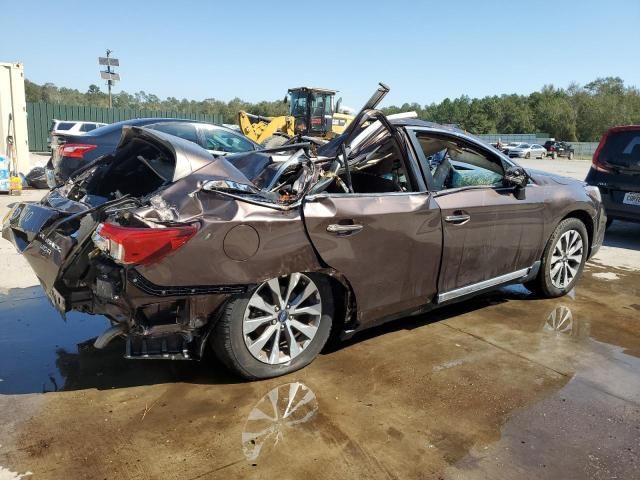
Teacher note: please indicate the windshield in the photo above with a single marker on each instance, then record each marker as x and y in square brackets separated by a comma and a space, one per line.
[298, 103]
[523, 145]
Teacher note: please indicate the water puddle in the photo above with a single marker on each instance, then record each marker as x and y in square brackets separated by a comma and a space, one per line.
[6, 474]
[283, 409]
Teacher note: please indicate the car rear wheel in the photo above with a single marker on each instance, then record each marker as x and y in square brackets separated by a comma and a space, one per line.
[277, 328]
[563, 260]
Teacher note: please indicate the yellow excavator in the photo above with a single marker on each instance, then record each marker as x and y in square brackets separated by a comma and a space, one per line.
[312, 113]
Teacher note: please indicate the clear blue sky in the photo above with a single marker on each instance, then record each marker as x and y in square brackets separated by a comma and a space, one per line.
[424, 50]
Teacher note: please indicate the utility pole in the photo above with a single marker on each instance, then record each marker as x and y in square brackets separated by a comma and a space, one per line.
[109, 75]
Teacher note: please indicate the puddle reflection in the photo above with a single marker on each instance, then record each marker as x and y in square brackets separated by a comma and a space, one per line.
[563, 321]
[560, 320]
[283, 409]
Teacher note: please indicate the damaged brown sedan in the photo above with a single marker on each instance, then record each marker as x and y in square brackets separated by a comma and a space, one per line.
[264, 255]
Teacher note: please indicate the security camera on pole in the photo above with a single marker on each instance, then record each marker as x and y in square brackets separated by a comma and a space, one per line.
[109, 74]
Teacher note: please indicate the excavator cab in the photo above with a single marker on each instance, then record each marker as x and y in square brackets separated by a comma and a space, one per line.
[312, 113]
[312, 110]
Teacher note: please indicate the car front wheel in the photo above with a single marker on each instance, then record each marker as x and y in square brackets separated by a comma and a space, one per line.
[563, 259]
[277, 328]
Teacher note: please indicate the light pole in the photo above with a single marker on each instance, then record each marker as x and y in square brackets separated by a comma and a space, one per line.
[109, 75]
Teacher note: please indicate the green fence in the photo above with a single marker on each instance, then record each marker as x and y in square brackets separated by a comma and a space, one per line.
[39, 116]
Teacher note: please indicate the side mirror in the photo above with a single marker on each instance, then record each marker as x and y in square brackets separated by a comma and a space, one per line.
[338, 105]
[285, 100]
[516, 177]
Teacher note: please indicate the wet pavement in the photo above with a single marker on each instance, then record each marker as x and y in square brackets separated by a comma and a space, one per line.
[503, 386]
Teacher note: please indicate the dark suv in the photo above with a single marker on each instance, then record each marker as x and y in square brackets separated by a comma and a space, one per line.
[616, 171]
[558, 149]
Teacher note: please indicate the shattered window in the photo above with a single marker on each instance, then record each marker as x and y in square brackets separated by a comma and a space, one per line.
[453, 164]
[376, 166]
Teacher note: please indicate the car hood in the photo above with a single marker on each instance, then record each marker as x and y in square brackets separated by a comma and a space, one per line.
[540, 177]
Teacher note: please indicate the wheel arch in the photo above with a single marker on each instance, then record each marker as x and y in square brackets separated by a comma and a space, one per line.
[586, 219]
[345, 305]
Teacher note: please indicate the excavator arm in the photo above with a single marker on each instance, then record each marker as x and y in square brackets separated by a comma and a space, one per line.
[259, 128]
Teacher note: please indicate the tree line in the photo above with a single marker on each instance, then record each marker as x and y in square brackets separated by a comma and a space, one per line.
[575, 113]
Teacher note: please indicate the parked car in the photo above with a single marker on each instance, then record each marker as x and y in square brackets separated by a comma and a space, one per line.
[615, 170]
[263, 256]
[557, 149]
[71, 127]
[508, 146]
[219, 140]
[73, 152]
[525, 150]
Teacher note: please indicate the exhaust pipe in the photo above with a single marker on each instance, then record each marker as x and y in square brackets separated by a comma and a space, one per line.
[108, 335]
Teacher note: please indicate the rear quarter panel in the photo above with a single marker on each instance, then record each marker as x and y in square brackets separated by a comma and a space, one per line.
[238, 243]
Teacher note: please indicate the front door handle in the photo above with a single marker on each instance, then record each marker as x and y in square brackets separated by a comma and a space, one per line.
[457, 219]
[344, 229]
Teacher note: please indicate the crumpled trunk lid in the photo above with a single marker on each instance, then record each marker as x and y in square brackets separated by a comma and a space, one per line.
[51, 235]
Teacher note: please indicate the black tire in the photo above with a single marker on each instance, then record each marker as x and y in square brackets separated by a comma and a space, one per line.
[227, 338]
[274, 141]
[527, 155]
[542, 285]
[609, 222]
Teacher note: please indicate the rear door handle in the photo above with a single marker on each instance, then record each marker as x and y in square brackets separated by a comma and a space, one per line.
[344, 229]
[458, 219]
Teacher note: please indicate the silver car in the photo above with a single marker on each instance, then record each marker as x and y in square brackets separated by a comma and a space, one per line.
[525, 150]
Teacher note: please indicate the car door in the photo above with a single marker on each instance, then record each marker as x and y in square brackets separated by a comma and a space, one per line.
[490, 231]
[537, 151]
[385, 238]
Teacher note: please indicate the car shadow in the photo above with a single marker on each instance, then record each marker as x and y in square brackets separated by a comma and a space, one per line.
[41, 352]
[623, 235]
[502, 295]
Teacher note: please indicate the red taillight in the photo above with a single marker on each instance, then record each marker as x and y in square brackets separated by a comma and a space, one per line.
[129, 245]
[552, 148]
[75, 150]
[596, 163]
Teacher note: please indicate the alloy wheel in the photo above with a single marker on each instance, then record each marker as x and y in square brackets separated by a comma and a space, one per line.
[566, 259]
[282, 318]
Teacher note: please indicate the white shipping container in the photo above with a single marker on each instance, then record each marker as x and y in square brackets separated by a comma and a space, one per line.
[13, 103]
